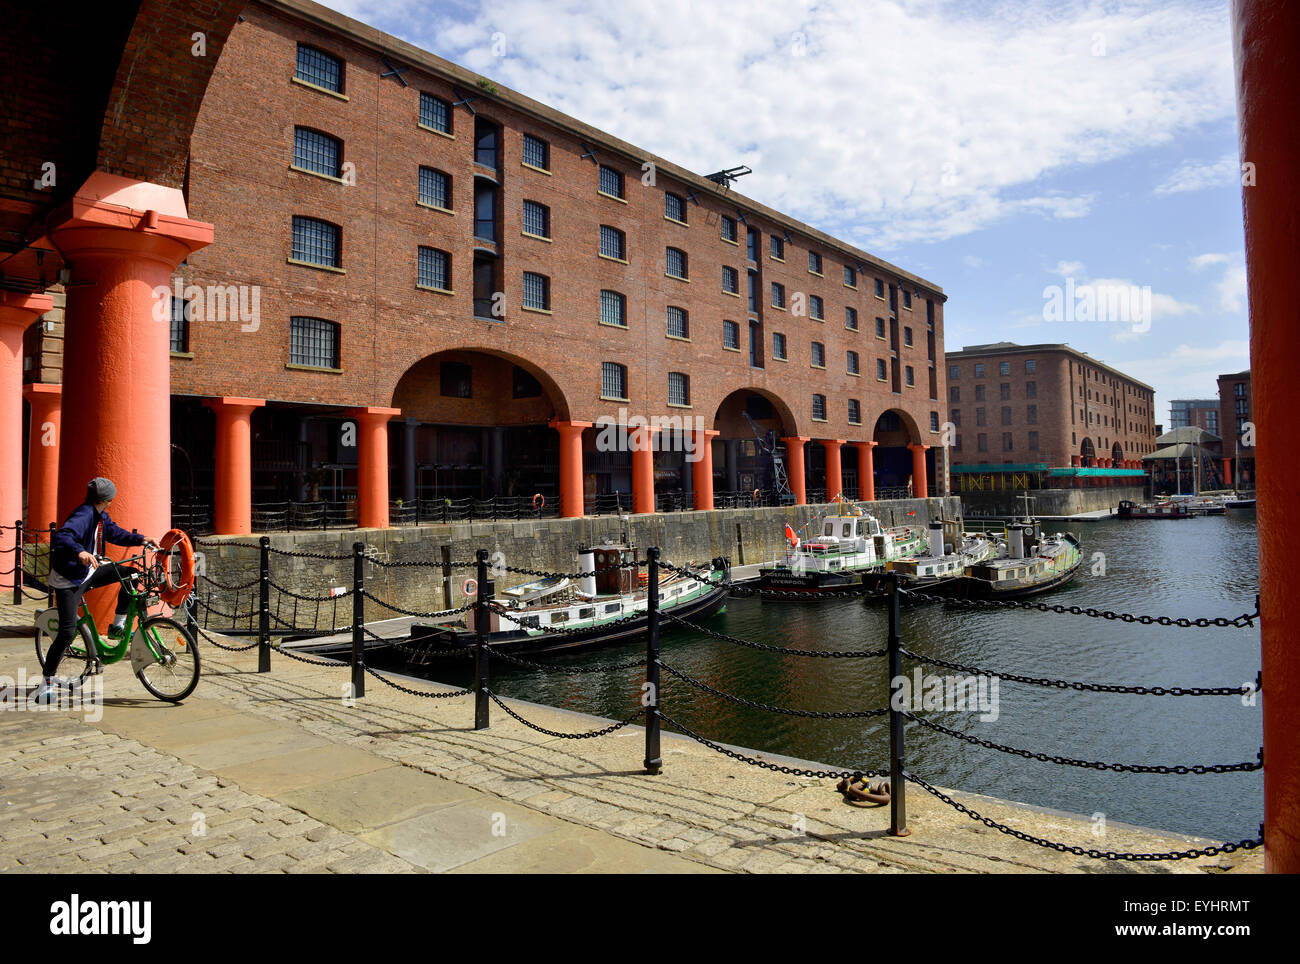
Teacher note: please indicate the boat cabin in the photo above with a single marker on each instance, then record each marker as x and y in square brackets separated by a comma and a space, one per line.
[614, 582]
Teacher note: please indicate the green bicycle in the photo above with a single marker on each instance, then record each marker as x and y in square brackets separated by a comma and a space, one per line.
[163, 652]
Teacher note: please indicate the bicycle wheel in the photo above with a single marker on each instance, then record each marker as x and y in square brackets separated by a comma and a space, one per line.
[173, 676]
[76, 664]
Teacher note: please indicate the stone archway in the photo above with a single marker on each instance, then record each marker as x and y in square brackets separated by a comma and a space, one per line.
[1087, 452]
[750, 422]
[894, 460]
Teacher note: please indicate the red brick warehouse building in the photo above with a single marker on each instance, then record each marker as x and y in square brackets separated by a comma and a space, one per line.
[462, 281]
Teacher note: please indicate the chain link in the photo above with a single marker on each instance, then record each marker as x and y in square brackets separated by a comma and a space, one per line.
[811, 714]
[1242, 621]
[567, 670]
[758, 592]
[778, 767]
[846, 654]
[424, 694]
[541, 573]
[415, 612]
[316, 599]
[1226, 848]
[604, 731]
[240, 588]
[229, 649]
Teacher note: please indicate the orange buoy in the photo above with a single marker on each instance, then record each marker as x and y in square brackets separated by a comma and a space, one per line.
[539, 501]
[174, 594]
[791, 537]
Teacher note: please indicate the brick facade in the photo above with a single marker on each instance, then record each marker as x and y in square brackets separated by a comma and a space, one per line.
[1236, 408]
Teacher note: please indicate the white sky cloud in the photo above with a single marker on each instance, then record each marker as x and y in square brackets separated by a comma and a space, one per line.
[1204, 260]
[1199, 175]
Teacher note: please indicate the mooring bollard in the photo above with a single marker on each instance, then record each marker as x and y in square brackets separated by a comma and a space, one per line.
[897, 784]
[653, 757]
[480, 651]
[358, 619]
[264, 606]
[18, 562]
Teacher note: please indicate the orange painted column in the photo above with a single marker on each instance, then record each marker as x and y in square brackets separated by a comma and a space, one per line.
[571, 506]
[702, 470]
[1227, 473]
[794, 467]
[920, 487]
[1076, 461]
[43, 458]
[233, 512]
[17, 311]
[834, 474]
[866, 470]
[122, 239]
[643, 469]
[372, 464]
[1268, 88]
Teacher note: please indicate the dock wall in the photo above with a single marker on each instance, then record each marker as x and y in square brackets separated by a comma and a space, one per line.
[1050, 501]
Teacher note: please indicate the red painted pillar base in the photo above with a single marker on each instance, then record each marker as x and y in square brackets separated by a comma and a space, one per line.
[43, 458]
[866, 470]
[233, 512]
[1227, 473]
[372, 465]
[794, 469]
[702, 469]
[1265, 35]
[920, 488]
[643, 469]
[834, 474]
[571, 506]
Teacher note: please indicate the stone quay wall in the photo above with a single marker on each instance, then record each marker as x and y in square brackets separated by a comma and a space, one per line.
[1051, 501]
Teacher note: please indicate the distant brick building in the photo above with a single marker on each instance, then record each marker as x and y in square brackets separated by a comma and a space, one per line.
[483, 278]
[1236, 416]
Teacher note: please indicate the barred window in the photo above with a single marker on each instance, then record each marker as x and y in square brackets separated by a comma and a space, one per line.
[313, 342]
[537, 291]
[675, 262]
[880, 369]
[678, 324]
[777, 247]
[907, 337]
[1005, 391]
[728, 228]
[814, 262]
[1004, 368]
[315, 242]
[778, 295]
[934, 421]
[537, 153]
[180, 324]
[613, 243]
[730, 280]
[317, 152]
[435, 269]
[679, 389]
[537, 219]
[613, 309]
[853, 363]
[979, 369]
[880, 288]
[851, 318]
[855, 412]
[675, 207]
[815, 309]
[435, 188]
[613, 380]
[778, 345]
[880, 327]
[611, 181]
[730, 335]
[319, 68]
[907, 299]
[818, 355]
[954, 371]
[1031, 366]
[911, 376]
[819, 408]
[850, 276]
[435, 112]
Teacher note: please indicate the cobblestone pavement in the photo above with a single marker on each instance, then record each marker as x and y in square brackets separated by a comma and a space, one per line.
[271, 759]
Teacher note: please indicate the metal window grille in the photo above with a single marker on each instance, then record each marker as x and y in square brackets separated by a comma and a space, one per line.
[778, 295]
[314, 151]
[435, 188]
[613, 308]
[435, 269]
[880, 288]
[814, 262]
[815, 309]
[880, 327]
[911, 376]
[853, 363]
[819, 407]
[819, 354]
[934, 421]
[777, 247]
[855, 412]
[536, 152]
[880, 368]
[316, 242]
[1031, 366]
[907, 299]
[730, 280]
[677, 322]
[435, 112]
[954, 371]
[778, 345]
[850, 276]
[676, 262]
[611, 242]
[675, 207]
[313, 342]
[537, 219]
[1004, 368]
[679, 389]
[851, 319]
[611, 181]
[613, 380]
[907, 337]
[180, 325]
[319, 68]
[728, 228]
[730, 334]
[537, 291]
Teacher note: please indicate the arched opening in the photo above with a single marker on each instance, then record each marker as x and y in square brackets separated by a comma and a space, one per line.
[474, 426]
[750, 425]
[1116, 454]
[1087, 452]
[894, 431]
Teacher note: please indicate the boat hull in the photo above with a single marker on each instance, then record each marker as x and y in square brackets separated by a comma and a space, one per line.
[812, 583]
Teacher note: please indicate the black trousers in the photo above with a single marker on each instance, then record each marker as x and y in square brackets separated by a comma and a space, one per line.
[68, 601]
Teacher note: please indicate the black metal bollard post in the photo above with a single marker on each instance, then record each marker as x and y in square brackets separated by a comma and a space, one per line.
[897, 783]
[480, 651]
[18, 562]
[653, 757]
[264, 605]
[358, 619]
[49, 567]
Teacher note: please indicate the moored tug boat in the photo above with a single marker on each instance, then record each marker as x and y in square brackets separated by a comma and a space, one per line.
[848, 545]
[942, 566]
[1032, 563]
[555, 615]
[1158, 510]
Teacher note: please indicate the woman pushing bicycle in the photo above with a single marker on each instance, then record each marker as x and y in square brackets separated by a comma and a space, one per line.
[75, 569]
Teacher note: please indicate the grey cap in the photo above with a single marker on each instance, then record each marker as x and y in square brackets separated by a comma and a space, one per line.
[100, 490]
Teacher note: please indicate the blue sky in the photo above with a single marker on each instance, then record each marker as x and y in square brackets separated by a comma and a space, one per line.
[993, 148]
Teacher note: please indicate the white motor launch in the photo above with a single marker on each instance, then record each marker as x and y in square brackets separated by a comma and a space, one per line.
[587, 566]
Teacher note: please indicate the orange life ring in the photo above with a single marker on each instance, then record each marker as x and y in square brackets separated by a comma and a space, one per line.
[175, 593]
[470, 588]
[756, 495]
[539, 501]
[791, 538]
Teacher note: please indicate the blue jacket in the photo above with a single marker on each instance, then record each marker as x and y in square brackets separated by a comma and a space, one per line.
[77, 535]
